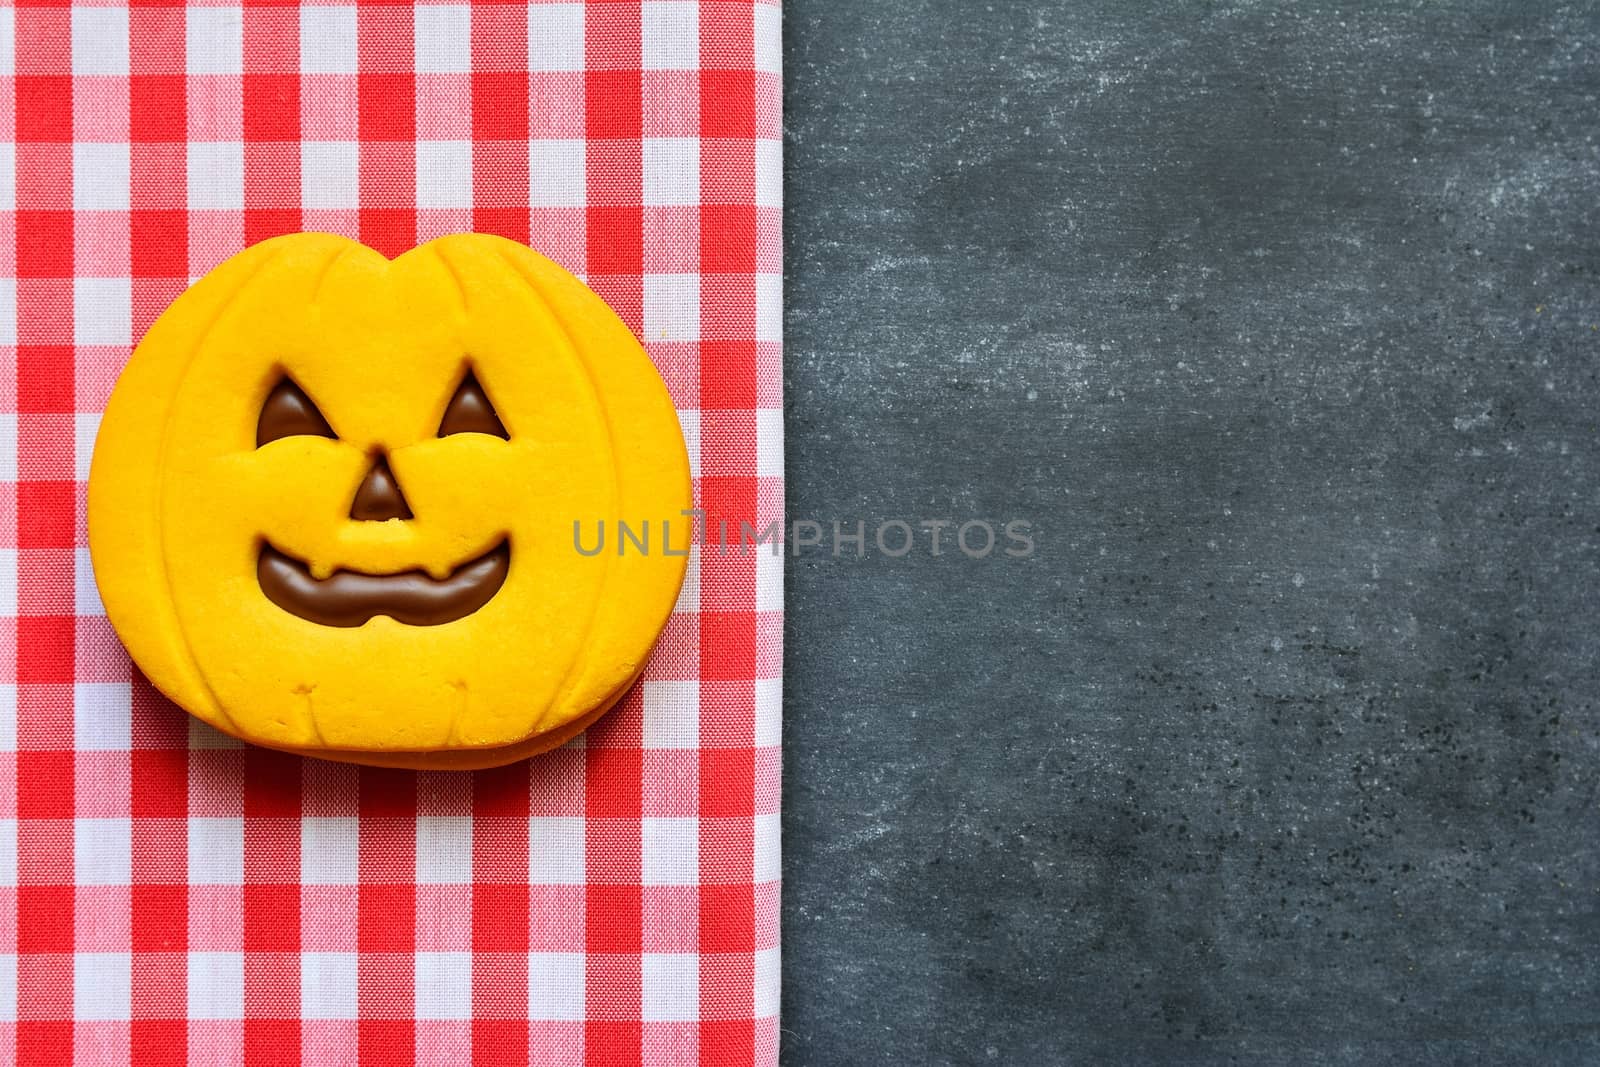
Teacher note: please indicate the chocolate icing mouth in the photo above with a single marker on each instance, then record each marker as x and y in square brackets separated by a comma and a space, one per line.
[351, 598]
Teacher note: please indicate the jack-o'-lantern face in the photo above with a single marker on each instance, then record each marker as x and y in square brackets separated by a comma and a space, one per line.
[332, 501]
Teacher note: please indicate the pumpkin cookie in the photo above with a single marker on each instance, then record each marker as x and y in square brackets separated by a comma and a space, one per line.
[333, 501]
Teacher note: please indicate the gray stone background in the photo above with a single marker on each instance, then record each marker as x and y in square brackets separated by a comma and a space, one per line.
[1282, 324]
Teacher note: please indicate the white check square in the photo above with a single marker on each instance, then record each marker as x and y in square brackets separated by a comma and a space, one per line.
[443, 35]
[204, 736]
[8, 708]
[8, 988]
[555, 37]
[769, 859]
[328, 985]
[8, 852]
[671, 714]
[8, 582]
[669, 987]
[8, 164]
[443, 985]
[689, 594]
[769, 442]
[327, 40]
[100, 41]
[769, 712]
[216, 851]
[769, 38]
[444, 849]
[102, 986]
[216, 985]
[100, 176]
[556, 173]
[8, 40]
[669, 35]
[216, 175]
[444, 173]
[102, 715]
[556, 986]
[102, 851]
[769, 982]
[329, 850]
[214, 39]
[85, 426]
[670, 171]
[769, 172]
[769, 307]
[669, 851]
[8, 336]
[671, 307]
[555, 850]
[330, 176]
[689, 421]
[102, 311]
[769, 578]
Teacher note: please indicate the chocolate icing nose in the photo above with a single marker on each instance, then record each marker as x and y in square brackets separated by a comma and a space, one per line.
[379, 496]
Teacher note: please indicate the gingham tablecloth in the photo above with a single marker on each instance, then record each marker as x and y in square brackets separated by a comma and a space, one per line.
[169, 896]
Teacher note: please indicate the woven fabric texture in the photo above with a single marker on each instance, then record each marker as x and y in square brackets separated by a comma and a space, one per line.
[168, 895]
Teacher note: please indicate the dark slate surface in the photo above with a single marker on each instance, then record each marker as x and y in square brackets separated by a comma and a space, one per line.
[1282, 324]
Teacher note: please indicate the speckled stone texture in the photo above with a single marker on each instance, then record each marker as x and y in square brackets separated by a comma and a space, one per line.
[1282, 324]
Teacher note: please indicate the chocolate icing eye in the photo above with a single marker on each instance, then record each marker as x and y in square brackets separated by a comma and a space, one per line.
[469, 411]
[288, 412]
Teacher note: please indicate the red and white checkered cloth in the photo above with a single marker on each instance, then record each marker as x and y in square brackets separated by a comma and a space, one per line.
[167, 895]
